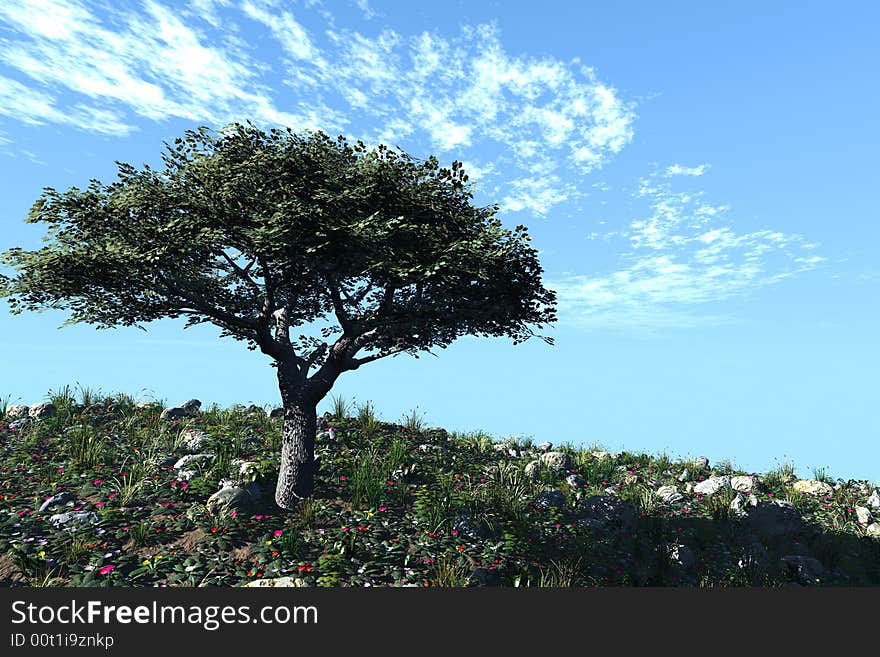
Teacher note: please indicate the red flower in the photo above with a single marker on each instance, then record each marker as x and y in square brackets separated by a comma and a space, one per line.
[106, 570]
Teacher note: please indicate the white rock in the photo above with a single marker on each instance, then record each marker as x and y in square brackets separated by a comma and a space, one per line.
[545, 447]
[743, 483]
[712, 485]
[669, 494]
[532, 469]
[813, 487]
[863, 515]
[557, 461]
[601, 456]
[16, 412]
[276, 581]
[873, 529]
[874, 500]
[685, 475]
[188, 459]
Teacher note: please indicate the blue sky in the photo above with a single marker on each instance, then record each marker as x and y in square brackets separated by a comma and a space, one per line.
[699, 179]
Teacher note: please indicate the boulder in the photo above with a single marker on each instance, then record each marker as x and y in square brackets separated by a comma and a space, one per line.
[234, 498]
[669, 494]
[874, 500]
[864, 516]
[873, 529]
[550, 498]
[73, 519]
[556, 461]
[184, 410]
[42, 411]
[744, 483]
[609, 512]
[471, 527]
[544, 447]
[532, 469]
[600, 455]
[16, 412]
[484, 577]
[56, 500]
[813, 487]
[193, 438]
[712, 485]
[775, 519]
[807, 570]
[574, 480]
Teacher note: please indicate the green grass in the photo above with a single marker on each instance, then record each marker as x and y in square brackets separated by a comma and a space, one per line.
[386, 510]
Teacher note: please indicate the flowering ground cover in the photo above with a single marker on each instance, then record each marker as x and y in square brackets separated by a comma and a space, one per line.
[102, 491]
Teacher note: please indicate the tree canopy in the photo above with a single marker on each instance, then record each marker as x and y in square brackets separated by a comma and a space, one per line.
[263, 232]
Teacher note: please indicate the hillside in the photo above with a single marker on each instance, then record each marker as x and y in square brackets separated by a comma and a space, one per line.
[110, 492]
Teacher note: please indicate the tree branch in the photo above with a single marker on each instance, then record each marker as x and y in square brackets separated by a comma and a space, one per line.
[357, 362]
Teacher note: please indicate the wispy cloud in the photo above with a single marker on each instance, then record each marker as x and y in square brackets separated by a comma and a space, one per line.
[678, 170]
[540, 119]
[683, 255]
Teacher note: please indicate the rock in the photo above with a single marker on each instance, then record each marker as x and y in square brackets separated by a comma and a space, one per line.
[808, 570]
[685, 475]
[689, 487]
[873, 529]
[630, 479]
[56, 500]
[20, 424]
[277, 581]
[230, 483]
[550, 498]
[608, 512]
[574, 480]
[231, 499]
[42, 410]
[255, 410]
[813, 487]
[73, 519]
[701, 463]
[682, 556]
[16, 412]
[501, 447]
[712, 485]
[186, 475]
[427, 447]
[484, 577]
[737, 504]
[163, 461]
[556, 461]
[193, 438]
[669, 494]
[471, 528]
[743, 483]
[184, 410]
[874, 500]
[190, 459]
[532, 469]
[544, 447]
[863, 515]
[512, 453]
[600, 455]
[774, 519]
[276, 412]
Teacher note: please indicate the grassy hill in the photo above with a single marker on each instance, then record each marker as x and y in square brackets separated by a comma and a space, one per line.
[108, 492]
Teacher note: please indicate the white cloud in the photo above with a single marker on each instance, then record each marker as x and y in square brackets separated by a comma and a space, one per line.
[541, 119]
[679, 170]
[680, 259]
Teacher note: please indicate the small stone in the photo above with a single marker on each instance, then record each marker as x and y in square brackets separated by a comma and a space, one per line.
[574, 480]
[277, 582]
[189, 459]
[512, 453]
[873, 529]
[229, 499]
[689, 487]
[544, 447]
[874, 500]
[193, 438]
[685, 475]
[600, 455]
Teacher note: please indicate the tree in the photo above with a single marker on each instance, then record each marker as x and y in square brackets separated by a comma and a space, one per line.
[372, 251]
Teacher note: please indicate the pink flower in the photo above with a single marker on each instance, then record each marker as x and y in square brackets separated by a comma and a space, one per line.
[97, 482]
[99, 504]
[383, 508]
[106, 570]
[277, 532]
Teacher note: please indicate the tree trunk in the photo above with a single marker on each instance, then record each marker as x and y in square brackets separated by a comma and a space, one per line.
[296, 478]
